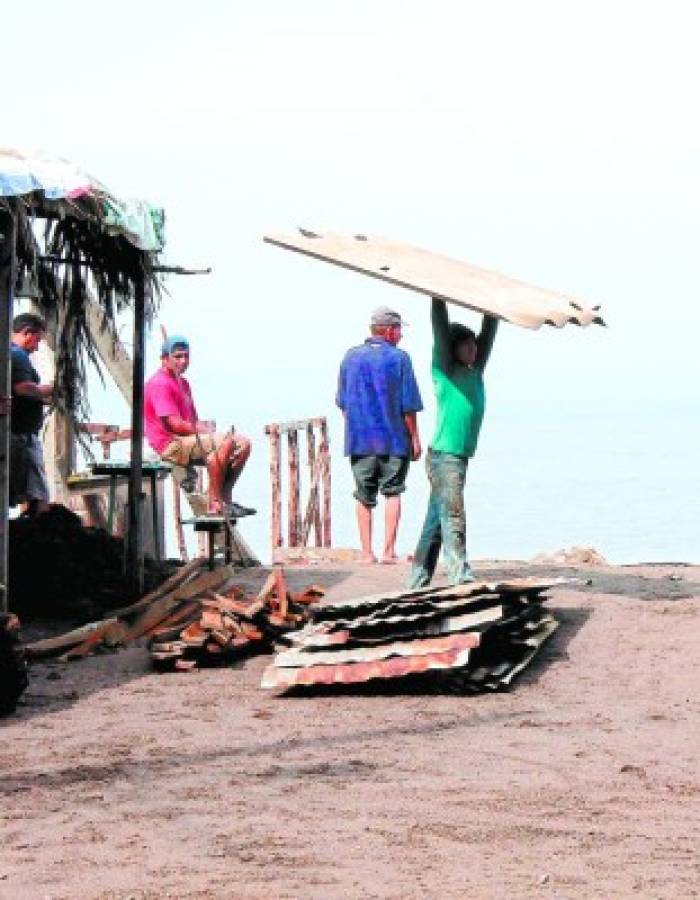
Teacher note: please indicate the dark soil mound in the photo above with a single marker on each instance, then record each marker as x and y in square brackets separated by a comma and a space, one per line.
[60, 569]
[13, 668]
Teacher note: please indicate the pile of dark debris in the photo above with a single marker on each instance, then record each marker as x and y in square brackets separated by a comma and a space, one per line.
[59, 569]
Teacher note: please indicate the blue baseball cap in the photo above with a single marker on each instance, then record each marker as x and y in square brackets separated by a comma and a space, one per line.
[170, 343]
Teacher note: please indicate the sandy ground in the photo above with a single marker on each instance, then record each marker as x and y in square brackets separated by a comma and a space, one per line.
[583, 781]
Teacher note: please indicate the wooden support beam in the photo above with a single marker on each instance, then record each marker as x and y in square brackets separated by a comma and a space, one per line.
[111, 351]
[57, 436]
[7, 272]
[275, 481]
[312, 514]
[168, 270]
[326, 484]
[294, 425]
[293, 489]
[134, 547]
[177, 512]
[315, 506]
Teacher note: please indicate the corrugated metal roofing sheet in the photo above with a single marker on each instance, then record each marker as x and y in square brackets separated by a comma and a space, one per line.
[418, 647]
[354, 673]
[441, 276]
[530, 587]
[316, 638]
[483, 634]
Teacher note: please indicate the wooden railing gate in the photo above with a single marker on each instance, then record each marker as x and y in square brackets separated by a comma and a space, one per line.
[317, 514]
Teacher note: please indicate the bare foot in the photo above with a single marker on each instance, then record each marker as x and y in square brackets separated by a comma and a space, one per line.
[389, 560]
[368, 559]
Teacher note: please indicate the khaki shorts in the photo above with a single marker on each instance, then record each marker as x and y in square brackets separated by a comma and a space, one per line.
[192, 448]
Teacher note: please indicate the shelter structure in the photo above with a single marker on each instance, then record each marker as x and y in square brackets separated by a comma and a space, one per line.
[82, 247]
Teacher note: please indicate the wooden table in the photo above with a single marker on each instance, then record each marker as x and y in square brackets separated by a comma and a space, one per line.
[115, 470]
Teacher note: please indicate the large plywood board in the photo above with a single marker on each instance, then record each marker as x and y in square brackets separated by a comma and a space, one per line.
[441, 276]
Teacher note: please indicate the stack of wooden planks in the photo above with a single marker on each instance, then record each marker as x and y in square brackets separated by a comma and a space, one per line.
[469, 638]
[223, 627]
[181, 605]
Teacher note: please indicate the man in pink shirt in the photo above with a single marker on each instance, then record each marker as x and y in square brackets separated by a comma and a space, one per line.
[177, 435]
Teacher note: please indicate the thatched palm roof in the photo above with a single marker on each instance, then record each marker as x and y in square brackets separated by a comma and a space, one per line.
[74, 238]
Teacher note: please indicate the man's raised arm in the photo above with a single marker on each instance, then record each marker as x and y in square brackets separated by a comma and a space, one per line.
[442, 350]
[484, 343]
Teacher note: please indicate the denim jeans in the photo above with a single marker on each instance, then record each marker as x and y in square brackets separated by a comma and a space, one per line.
[445, 522]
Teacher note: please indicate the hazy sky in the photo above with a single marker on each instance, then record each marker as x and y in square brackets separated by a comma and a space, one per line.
[554, 141]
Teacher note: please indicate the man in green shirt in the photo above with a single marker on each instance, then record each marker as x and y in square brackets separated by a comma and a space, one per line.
[459, 359]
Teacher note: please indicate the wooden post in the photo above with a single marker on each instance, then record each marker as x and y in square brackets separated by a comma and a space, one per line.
[310, 445]
[315, 507]
[294, 489]
[134, 548]
[326, 482]
[7, 271]
[179, 531]
[198, 504]
[57, 436]
[275, 480]
[312, 508]
[112, 353]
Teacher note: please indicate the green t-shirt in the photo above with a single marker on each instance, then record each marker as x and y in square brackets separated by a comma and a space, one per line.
[459, 390]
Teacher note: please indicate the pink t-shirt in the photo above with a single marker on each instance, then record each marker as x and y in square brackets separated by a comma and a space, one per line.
[165, 395]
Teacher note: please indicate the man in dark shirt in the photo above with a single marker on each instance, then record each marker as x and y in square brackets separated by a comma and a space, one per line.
[27, 474]
[379, 396]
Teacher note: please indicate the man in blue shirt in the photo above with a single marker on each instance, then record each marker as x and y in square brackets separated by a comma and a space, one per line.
[28, 482]
[379, 396]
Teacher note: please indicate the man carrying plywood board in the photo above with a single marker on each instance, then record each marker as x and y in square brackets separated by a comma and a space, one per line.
[459, 359]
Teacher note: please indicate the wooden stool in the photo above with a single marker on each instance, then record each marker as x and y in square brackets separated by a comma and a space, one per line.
[213, 525]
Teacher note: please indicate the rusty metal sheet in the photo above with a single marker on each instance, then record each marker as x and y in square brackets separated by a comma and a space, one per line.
[530, 587]
[534, 644]
[399, 612]
[402, 623]
[502, 674]
[368, 602]
[441, 276]
[485, 633]
[355, 673]
[319, 638]
[415, 647]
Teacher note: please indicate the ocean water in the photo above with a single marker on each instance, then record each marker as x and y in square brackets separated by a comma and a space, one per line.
[619, 482]
[604, 459]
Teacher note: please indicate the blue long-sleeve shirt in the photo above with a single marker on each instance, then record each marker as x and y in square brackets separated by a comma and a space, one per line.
[376, 388]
